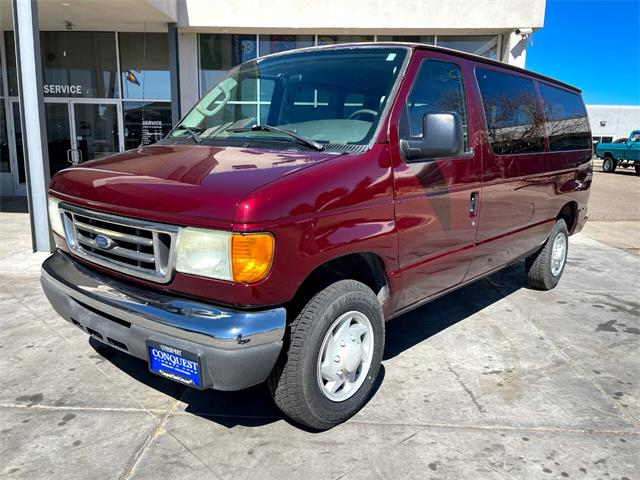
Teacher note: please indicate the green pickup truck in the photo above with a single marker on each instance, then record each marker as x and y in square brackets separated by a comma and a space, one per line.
[625, 154]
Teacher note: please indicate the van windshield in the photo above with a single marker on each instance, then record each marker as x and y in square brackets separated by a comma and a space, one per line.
[333, 98]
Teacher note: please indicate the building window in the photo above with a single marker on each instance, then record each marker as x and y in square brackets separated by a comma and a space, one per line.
[145, 123]
[425, 39]
[4, 140]
[337, 39]
[280, 43]
[513, 114]
[144, 66]
[17, 127]
[79, 64]
[219, 53]
[483, 45]
[12, 70]
[567, 122]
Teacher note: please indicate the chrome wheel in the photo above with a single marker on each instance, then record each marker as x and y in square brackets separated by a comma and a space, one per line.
[558, 254]
[345, 356]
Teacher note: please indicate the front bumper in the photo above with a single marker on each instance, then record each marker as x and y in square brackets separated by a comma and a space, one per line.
[238, 349]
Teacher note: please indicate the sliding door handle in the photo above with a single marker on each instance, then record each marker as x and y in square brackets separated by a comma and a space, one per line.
[473, 204]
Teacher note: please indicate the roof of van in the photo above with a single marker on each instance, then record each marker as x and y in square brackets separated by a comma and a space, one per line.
[449, 51]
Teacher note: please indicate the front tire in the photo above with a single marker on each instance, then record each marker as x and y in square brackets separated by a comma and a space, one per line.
[335, 352]
[609, 165]
[545, 267]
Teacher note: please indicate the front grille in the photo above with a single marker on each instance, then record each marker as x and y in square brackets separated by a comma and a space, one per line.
[135, 247]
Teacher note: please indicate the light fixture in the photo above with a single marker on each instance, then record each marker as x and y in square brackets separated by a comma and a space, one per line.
[65, 4]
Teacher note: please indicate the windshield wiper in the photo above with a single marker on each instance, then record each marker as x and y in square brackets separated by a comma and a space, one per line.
[268, 128]
[192, 133]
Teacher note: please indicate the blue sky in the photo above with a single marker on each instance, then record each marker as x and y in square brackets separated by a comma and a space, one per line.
[594, 45]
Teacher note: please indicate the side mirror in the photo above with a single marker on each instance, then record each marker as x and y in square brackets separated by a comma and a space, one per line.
[441, 137]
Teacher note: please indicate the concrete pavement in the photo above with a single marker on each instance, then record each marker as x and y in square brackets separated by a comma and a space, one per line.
[492, 381]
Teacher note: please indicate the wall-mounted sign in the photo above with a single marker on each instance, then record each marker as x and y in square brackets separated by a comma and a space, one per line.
[151, 131]
[63, 90]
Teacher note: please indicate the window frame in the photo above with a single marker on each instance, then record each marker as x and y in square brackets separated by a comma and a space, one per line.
[421, 56]
[483, 116]
[584, 106]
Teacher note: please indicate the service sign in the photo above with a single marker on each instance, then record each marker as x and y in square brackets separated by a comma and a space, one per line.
[63, 90]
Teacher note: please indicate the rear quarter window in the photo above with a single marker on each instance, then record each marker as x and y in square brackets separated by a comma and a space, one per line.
[567, 122]
[514, 118]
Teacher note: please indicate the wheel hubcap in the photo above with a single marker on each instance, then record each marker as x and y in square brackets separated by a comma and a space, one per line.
[558, 254]
[345, 356]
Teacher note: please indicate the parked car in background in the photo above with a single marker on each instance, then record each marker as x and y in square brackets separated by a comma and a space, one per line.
[620, 153]
[308, 197]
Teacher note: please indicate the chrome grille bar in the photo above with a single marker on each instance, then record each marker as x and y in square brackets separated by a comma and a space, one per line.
[123, 252]
[113, 234]
[135, 247]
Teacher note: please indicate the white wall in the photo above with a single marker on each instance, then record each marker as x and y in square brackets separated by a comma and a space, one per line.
[344, 16]
[619, 120]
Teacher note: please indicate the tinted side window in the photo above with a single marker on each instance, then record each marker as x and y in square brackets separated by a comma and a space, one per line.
[512, 110]
[567, 123]
[437, 88]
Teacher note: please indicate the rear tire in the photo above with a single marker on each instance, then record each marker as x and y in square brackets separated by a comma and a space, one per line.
[609, 165]
[545, 267]
[320, 351]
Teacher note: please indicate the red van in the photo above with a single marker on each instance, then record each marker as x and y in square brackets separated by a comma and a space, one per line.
[305, 199]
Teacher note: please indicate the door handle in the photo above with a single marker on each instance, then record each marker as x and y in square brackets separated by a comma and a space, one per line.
[473, 204]
[69, 159]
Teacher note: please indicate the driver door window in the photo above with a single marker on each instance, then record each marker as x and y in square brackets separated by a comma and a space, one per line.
[437, 88]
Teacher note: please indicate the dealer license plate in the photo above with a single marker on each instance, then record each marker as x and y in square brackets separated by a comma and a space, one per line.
[175, 364]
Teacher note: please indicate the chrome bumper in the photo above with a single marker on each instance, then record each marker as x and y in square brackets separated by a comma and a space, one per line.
[238, 347]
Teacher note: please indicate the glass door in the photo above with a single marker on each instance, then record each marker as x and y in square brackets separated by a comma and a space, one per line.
[18, 168]
[97, 131]
[58, 135]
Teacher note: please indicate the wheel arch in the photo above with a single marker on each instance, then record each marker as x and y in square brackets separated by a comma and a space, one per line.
[365, 267]
[569, 213]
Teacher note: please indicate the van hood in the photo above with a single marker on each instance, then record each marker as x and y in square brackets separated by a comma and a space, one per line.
[183, 184]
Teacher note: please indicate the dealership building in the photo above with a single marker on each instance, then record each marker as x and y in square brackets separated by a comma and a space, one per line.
[82, 79]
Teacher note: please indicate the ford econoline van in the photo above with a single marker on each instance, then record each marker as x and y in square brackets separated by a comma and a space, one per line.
[307, 198]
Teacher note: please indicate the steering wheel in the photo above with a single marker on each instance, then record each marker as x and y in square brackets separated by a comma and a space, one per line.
[368, 111]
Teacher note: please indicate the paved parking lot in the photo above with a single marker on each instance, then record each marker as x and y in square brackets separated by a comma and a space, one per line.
[492, 381]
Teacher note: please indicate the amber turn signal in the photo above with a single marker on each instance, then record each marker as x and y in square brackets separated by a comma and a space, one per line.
[251, 256]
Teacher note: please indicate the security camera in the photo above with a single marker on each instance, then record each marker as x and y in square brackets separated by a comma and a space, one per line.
[524, 31]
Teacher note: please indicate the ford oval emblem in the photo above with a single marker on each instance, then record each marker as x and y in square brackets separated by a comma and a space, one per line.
[104, 242]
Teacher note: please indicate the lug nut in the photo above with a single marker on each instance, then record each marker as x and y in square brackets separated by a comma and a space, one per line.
[336, 358]
[342, 344]
[353, 337]
[339, 372]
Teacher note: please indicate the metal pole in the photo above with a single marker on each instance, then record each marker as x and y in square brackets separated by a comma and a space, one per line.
[34, 128]
[174, 72]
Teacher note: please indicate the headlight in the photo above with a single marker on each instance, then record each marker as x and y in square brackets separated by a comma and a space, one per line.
[55, 218]
[204, 252]
[242, 258]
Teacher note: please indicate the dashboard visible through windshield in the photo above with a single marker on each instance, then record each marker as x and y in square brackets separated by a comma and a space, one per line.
[323, 99]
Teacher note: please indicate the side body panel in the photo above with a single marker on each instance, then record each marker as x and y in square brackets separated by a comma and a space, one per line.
[522, 195]
[432, 198]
